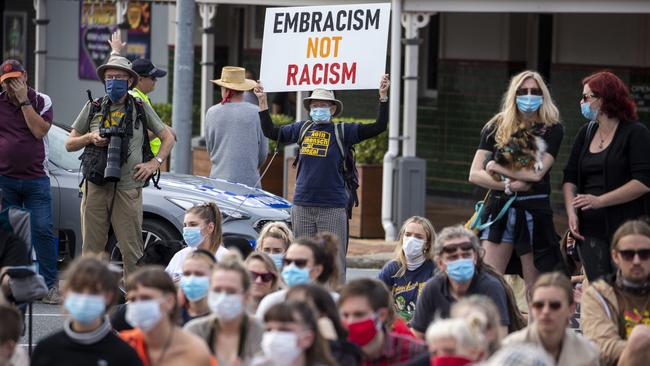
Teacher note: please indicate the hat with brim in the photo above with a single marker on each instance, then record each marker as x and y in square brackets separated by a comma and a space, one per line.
[233, 77]
[9, 75]
[322, 94]
[118, 63]
[11, 69]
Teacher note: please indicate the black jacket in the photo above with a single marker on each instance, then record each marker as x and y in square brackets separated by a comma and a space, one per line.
[626, 158]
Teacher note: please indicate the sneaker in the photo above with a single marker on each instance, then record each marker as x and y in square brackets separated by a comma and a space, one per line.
[53, 297]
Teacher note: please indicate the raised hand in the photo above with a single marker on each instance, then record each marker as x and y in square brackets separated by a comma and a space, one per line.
[384, 85]
[116, 43]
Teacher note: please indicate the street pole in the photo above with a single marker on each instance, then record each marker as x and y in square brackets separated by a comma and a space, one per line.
[182, 93]
[207, 12]
[41, 44]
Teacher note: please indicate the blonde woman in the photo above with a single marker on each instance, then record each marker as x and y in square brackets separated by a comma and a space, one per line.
[413, 266]
[274, 240]
[527, 227]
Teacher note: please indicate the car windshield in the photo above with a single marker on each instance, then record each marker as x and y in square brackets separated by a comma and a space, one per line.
[57, 152]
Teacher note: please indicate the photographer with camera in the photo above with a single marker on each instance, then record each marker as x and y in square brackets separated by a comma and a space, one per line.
[117, 161]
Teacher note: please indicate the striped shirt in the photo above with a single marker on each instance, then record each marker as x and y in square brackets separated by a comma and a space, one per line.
[22, 155]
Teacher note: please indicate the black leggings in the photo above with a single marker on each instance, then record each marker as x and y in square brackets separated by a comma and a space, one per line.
[595, 255]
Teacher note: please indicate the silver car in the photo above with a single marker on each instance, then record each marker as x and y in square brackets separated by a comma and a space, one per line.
[245, 210]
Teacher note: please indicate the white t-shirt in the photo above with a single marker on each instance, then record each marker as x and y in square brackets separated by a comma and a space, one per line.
[175, 266]
[277, 297]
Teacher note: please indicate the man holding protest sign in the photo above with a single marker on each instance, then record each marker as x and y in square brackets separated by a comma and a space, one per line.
[325, 48]
[321, 198]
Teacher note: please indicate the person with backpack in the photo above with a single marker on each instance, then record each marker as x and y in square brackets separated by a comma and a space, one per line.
[326, 181]
[114, 175]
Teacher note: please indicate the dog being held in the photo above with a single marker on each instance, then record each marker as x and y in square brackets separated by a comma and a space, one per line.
[524, 150]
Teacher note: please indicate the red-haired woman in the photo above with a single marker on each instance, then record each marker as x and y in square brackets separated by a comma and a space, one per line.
[607, 176]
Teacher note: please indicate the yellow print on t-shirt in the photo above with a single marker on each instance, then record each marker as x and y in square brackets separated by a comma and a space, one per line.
[315, 143]
[115, 117]
[634, 318]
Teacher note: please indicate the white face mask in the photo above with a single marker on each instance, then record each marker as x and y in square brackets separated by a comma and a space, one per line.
[143, 314]
[413, 251]
[225, 306]
[280, 346]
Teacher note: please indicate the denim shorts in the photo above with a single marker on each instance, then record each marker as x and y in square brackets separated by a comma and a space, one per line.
[508, 232]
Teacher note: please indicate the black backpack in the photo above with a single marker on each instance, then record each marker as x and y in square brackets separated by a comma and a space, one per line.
[93, 158]
[348, 168]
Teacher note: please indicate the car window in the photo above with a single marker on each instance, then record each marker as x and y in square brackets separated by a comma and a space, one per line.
[57, 152]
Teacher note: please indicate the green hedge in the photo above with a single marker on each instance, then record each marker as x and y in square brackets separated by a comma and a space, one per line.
[370, 151]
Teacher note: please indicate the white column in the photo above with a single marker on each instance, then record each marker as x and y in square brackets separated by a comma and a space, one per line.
[121, 6]
[41, 44]
[208, 12]
[412, 22]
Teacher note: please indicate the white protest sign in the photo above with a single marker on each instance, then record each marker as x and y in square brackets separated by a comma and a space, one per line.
[331, 47]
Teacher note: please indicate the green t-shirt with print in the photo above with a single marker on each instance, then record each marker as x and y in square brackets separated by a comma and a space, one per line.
[135, 144]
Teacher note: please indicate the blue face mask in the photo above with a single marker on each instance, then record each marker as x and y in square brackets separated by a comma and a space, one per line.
[84, 308]
[278, 259]
[461, 270]
[116, 89]
[293, 275]
[192, 236]
[529, 103]
[195, 287]
[588, 112]
[320, 114]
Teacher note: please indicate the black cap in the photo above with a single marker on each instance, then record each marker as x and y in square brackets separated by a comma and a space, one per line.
[145, 69]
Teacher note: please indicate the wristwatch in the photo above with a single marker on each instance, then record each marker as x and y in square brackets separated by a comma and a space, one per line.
[25, 103]
[159, 160]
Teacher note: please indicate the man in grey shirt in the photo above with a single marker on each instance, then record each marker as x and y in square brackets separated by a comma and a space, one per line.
[233, 136]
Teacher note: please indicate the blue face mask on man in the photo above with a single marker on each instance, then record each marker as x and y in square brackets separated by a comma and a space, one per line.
[292, 275]
[588, 112]
[320, 114]
[84, 308]
[461, 270]
[529, 103]
[116, 89]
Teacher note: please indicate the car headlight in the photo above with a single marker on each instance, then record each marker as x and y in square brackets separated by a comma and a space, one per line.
[184, 203]
[231, 215]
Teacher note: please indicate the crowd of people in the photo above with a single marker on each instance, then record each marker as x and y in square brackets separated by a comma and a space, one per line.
[443, 300]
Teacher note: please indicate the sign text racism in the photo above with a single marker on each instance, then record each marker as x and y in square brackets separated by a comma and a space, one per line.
[332, 47]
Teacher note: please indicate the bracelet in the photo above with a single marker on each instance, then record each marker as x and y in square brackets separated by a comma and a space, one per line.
[383, 99]
[507, 189]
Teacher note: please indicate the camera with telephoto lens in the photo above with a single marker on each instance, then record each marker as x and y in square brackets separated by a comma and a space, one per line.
[115, 134]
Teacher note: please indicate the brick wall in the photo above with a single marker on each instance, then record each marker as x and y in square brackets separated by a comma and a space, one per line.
[469, 94]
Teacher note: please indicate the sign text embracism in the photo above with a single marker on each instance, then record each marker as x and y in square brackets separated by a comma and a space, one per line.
[333, 47]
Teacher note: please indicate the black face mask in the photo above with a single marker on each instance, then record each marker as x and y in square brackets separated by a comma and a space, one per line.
[632, 288]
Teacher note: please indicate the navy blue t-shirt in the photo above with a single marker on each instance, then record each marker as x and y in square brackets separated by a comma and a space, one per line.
[319, 182]
[407, 288]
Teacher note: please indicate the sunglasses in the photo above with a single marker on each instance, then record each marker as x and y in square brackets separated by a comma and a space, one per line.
[451, 248]
[525, 91]
[300, 263]
[628, 254]
[266, 277]
[585, 97]
[553, 305]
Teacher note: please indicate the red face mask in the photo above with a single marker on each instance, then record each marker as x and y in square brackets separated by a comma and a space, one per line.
[449, 361]
[362, 332]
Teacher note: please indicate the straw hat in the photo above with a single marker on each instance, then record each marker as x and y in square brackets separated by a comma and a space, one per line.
[233, 77]
[322, 94]
[119, 63]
